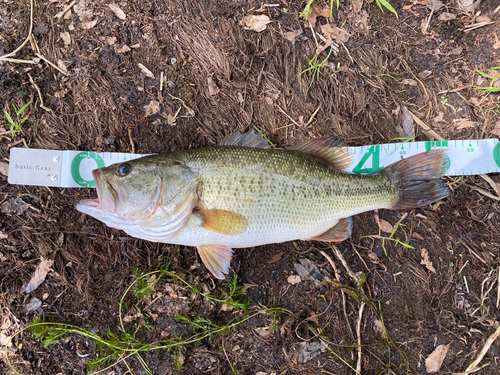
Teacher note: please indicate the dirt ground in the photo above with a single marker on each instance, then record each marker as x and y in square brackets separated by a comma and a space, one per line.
[219, 78]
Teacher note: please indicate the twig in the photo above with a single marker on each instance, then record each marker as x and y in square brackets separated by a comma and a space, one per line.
[427, 129]
[39, 94]
[161, 80]
[191, 113]
[477, 25]
[348, 54]
[314, 35]
[498, 290]
[18, 61]
[131, 140]
[51, 64]
[424, 30]
[27, 38]
[313, 115]
[358, 333]
[344, 263]
[473, 366]
[64, 11]
[286, 114]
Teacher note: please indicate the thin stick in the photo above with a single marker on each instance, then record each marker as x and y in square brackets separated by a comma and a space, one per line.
[344, 263]
[39, 94]
[313, 115]
[18, 61]
[27, 38]
[51, 64]
[65, 10]
[161, 80]
[498, 290]
[131, 140]
[314, 35]
[358, 333]
[286, 114]
[486, 347]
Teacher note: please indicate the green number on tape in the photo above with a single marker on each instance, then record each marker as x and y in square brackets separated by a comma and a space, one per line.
[496, 154]
[75, 167]
[374, 153]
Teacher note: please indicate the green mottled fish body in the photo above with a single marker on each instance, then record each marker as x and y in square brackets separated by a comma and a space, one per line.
[244, 194]
[284, 194]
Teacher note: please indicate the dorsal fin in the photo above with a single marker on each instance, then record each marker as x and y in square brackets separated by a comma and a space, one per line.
[328, 148]
[249, 139]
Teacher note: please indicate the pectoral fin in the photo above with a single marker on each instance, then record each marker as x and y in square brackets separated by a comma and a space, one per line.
[223, 222]
[339, 232]
[216, 258]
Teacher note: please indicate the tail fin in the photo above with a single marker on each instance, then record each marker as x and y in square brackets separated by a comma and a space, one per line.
[418, 179]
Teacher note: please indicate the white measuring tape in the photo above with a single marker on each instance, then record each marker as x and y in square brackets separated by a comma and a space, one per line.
[74, 168]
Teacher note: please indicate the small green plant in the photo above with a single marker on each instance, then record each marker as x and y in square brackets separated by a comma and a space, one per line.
[16, 122]
[315, 66]
[493, 78]
[444, 101]
[385, 4]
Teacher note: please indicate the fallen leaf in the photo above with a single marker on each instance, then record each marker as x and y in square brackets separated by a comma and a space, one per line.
[145, 71]
[496, 129]
[3, 236]
[410, 82]
[212, 87]
[435, 360]
[62, 65]
[4, 339]
[307, 270]
[439, 117]
[66, 38]
[445, 16]
[385, 226]
[4, 168]
[456, 51]
[255, 23]
[483, 19]
[426, 261]
[123, 49]
[89, 25]
[117, 11]
[39, 276]
[315, 12]
[356, 5]
[469, 5]
[84, 13]
[16, 205]
[378, 327]
[292, 35]
[294, 279]
[463, 123]
[5, 322]
[335, 33]
[276, 258]
[424, 74]
[263, 332]
[407, 127]
[111, 40]
[310, 350]
[152, 108]
[434, 4]
[32, 305]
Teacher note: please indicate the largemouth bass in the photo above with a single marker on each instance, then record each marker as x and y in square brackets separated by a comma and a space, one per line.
[245, 194]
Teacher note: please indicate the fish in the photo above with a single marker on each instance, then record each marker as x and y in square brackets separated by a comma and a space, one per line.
[243, 193]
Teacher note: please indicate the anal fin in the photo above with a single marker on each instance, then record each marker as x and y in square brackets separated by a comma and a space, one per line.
[223, 222]
[339, 232]
[216, 258]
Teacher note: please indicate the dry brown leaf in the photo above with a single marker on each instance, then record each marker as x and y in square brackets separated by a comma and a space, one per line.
[292, 35]
[378, 327]
[117, 11]
[66, 38]
[445, 16]
[145, 71]
[456, 51]
[263, 332]
[316, 12]
[424, 74]
[3, 236]
[39, 276]
[435, 360]
[410, 82]
[469, 5]
[294, 279]
[89, 25]
[464, 123]
[4, 168]
[439, 117]
[385, 226]
[496, 129]
[212, 87]
[335, 33]
[255, 23]
[276, 258]
[152, 108]
[434, 4]
[123, 49]
[84, 14]
[111, 40]
[426, 261]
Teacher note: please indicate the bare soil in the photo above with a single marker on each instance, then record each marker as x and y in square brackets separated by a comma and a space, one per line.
[101, 103]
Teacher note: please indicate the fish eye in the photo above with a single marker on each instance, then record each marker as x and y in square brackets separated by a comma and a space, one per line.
[124, 169]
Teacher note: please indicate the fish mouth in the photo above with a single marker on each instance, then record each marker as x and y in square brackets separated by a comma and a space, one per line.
[107, 197]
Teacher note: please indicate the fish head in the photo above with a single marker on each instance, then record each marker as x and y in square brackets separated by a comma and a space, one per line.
[143, 191]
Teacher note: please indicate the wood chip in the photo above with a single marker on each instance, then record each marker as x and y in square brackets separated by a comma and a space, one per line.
[426, 260]
[123, 49]
[410, 82]
[117, 11]
[445, 16]
[89, 25]
[145, 71]
[66, 38]
[294, 279]
[292, 35]
[4, 168]
[212, 87]
[335, 33]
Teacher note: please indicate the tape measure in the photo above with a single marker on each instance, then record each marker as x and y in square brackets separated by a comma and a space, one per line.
[73, 169]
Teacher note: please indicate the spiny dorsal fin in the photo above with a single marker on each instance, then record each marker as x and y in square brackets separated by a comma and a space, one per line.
[249, 139]
[224, 222]
[328, 148]
[339, 232]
